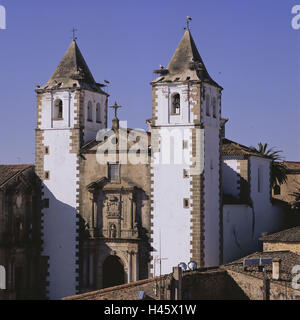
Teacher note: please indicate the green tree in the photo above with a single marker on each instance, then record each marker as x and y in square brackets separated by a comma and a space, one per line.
[278, 168]
[295, 205]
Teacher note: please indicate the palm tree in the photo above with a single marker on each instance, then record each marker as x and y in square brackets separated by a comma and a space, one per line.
[296, 203]
[278, 168]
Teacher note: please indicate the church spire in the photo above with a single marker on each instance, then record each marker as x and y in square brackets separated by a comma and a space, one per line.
[186, 64]
[72, 72]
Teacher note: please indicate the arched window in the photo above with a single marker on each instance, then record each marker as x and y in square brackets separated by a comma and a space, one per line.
[207, 105]
[214, 103]
[176, 104]
[58, 110]
[277, 190]
[98, 113]
[90, 111]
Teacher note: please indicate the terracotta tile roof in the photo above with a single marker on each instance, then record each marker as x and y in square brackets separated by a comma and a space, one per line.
[9, 171]
[231, 148]
[292, 166]
[288, 261]
[289, 235]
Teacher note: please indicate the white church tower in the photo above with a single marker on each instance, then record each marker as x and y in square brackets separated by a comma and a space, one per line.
[185, 169]
[71, 108]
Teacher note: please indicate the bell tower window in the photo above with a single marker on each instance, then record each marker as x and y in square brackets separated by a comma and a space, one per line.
[58, 110]
[90, 111]
[175, 104]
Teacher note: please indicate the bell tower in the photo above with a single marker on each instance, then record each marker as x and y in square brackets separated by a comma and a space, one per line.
[71, 108]
[185, 167]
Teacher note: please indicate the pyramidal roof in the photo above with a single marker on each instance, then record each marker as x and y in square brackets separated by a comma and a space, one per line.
[186, 64]
[72, 72]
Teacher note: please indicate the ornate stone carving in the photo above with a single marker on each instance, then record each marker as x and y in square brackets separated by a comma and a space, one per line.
[113, 207]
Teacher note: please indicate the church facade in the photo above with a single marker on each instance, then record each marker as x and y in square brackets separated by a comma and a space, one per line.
[121, 205]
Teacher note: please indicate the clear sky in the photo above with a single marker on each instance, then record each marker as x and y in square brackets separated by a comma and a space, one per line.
[248, 46]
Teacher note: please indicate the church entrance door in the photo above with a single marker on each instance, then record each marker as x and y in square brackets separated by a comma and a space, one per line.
[113, 272]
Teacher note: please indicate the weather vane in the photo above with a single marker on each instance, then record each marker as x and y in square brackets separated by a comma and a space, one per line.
[188, 21]
[74, 33]
[116, 107]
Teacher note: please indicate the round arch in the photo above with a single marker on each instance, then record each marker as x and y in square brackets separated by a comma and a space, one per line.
[113, 272]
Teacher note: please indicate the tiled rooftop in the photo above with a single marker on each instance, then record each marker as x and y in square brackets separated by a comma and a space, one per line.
[289, 235]
[9, 171]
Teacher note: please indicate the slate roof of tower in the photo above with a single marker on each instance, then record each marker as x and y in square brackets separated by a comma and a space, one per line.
[7, 172]
[72, 72]
[289, 235]
[186, 64]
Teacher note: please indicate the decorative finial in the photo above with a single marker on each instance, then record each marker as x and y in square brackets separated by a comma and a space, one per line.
[115, 120]
[74, 33]
[116, 107]
[188, 21]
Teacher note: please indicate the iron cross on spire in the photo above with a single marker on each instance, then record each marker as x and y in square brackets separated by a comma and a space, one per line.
[74, 33]
[188, 21]
[116, 107]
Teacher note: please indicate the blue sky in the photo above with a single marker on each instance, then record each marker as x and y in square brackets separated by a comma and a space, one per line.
[248, 46]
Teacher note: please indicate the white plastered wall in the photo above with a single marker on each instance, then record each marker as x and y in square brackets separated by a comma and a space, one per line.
[212, 181]
[243, 225]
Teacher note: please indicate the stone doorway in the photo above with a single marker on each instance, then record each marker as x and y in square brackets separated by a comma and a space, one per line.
[113, 272]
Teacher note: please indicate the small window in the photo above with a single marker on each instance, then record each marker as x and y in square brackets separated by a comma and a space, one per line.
[214, 103]
[47, 175]
[58, 110]
[46, 150]
[113, 172]
[185, 144]
[277, 190]
[185, 173]
[186, 203]
[176, 104]
[259, 179]
[207, 105]
[90, 111]
[98, 113]
[46, 203]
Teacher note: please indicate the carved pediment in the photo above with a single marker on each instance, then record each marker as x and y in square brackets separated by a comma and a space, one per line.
[113, 206]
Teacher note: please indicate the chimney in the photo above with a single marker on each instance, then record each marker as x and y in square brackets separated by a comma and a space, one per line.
[177, 275]
[222, 127]
[276, 266]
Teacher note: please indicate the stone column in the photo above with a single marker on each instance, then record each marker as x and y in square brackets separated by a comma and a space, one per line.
[129, 266]
[136, 275]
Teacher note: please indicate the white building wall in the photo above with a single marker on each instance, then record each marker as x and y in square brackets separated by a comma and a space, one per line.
[212, 197]
[60, 220]
[60, 230]
[171, 221]
[170, 218]
[243, 225]
[212, 181]
[230, 178]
